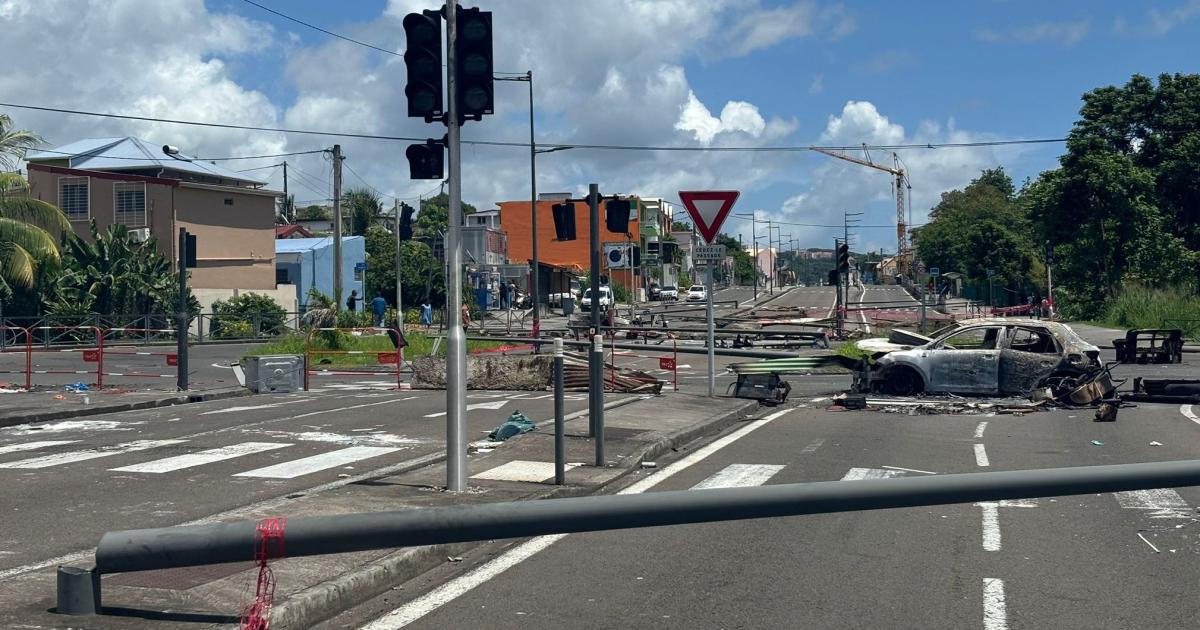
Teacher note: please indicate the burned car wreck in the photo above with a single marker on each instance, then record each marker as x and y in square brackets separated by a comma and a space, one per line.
[989, 356]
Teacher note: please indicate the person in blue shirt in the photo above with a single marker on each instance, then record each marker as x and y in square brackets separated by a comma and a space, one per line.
[426, 314]
[379, 308]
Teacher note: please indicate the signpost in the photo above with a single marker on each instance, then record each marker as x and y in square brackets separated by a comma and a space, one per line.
[708, 209]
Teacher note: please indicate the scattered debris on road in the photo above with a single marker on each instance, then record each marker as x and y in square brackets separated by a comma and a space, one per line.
[516, 424]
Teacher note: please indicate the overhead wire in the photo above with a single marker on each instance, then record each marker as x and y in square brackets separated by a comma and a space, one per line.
[525, 145]
[194, 159]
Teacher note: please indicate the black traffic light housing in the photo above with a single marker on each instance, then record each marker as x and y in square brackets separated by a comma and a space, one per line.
[423, 60]
[616, 215]
[834, 279]
[637, 256]
[189, 251]
[406, 228]
[564, 221]
[843, 258]
[426, 161]
[474, 93]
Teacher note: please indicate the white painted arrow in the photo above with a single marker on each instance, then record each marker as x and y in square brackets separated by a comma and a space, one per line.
[495, 404]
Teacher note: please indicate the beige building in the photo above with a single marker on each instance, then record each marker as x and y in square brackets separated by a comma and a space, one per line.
[127, 181]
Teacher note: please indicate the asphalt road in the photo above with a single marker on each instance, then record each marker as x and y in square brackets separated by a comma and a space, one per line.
[173, 465]
[1093, 561]
[126, 366]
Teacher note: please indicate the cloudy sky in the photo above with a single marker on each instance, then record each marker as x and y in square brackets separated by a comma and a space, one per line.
[675, 73]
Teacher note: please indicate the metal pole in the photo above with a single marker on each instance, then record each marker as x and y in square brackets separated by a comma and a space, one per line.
[560, 447]
[337, 227]
[170, 547]
[287, 210]
[771, 258]
[537, 267]
[595, 360]
[712, 357]
[1049, 280]
[456, 342]
[181, 347]
[399, 298]
[754, 241]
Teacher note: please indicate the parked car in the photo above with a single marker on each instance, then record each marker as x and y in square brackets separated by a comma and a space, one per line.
[979, 356]
[654, 292]
[696, 293]
[668, 293]
[605, 299]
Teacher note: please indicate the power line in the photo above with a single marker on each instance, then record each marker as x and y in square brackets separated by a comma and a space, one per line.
[525, 145]
[318, 28]
[364, 183]
[191, 159]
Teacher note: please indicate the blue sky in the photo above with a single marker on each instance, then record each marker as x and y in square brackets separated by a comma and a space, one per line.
[674, 72]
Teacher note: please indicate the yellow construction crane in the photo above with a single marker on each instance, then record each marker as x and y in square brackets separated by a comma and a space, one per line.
[903, 214]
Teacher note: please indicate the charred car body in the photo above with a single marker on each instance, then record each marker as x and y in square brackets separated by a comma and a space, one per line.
[990, 356]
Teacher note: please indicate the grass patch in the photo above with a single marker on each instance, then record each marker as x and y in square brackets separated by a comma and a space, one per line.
[1145, 307]
[851, 350]
[419, 345]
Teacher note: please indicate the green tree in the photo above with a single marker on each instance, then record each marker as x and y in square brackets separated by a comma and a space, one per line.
[14, 142]
[363, 207]
[421, 274]
[1125, 204]
[29, 233]
[433, 216]
[743, 262]
[313, 213]
[241, 313]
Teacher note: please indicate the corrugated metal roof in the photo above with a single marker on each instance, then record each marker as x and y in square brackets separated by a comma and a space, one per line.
[295, 245]
[124, 154]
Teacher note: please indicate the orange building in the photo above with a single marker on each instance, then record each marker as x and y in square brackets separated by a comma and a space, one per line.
[515, 219]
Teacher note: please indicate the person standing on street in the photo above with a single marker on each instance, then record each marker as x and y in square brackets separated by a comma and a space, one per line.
[352, 301]
[379, 308]
[426, 314]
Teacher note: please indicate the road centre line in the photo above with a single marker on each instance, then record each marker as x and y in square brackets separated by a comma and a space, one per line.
[980, 429]
[981, 458]
[995, 613]
[991, 526]
[813, 446]
[459, 586]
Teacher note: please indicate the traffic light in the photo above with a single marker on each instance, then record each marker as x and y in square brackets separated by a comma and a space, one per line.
[189, 252]
[637, 256]
[1049, 253]
[834, 280]
[616, 215]
[843, 258]
[406, 214]
[564, 221]
[473, 92]
[668, 250]
[423, 59]
[426, 161]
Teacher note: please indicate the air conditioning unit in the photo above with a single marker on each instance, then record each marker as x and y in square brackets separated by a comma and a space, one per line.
[139, 235]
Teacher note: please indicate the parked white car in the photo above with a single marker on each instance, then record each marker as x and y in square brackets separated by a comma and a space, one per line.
[696, 293]
[606, 299]
[669, 293]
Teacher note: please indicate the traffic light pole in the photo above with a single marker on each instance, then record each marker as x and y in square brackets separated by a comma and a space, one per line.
[537, 267]
[595, 359]
[456, 345]
[399, 299]
[181, 347]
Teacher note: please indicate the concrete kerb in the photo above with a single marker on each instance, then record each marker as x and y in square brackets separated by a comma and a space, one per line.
[92, 410]
[327, 599]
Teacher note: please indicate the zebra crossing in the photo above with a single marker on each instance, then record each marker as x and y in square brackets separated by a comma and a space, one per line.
[160, 464]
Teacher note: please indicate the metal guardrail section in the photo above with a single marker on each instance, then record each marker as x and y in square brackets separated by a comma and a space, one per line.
[171, 547]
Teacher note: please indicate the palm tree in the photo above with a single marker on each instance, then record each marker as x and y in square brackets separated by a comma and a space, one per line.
[14, 142]
[30, 230]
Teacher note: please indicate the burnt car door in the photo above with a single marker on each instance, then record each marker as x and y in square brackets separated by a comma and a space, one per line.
[967, 361]
[1028, 355]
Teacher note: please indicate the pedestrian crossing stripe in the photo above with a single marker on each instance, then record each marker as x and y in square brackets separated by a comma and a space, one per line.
[58, 459]
[317, 463]
[191, 460]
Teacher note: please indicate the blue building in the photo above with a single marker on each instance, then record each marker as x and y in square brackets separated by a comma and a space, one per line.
[307, 263]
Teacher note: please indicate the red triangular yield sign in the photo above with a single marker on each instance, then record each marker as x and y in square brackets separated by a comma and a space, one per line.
[708, 209]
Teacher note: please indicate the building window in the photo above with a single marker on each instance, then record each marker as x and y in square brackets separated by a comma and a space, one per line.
[129, 203]
[281, 276]
[73, 197]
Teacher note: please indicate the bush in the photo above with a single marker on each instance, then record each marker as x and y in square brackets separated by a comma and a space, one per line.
[1138, 306]
[246, 309]
[233, 329]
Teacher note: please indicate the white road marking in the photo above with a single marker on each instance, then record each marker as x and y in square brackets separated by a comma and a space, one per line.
[991, 526]
[487, 405]
[981, 457]
[251, 407]
[461, 585]
[59, 459]
[1159, 502]
[191, 460]
[857, 474]
[317, 463]
[1186, 410]
[32, 446]
[521, 470]
[923, 472]
[813, 446]
[980, 429]
[740, 476]
[995, 613]
[1139, 534]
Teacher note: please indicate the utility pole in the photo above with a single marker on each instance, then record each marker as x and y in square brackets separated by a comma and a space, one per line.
[771, 264]
[1050, 278]
[181, 347]
[537, 266]
[754, 240]
[456, 340]
[288, 211]
[837, 290]
[337, 227]
[596, 356]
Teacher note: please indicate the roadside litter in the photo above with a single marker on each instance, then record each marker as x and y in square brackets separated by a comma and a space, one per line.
[911, 406]
[516, 424]
[76, 387]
